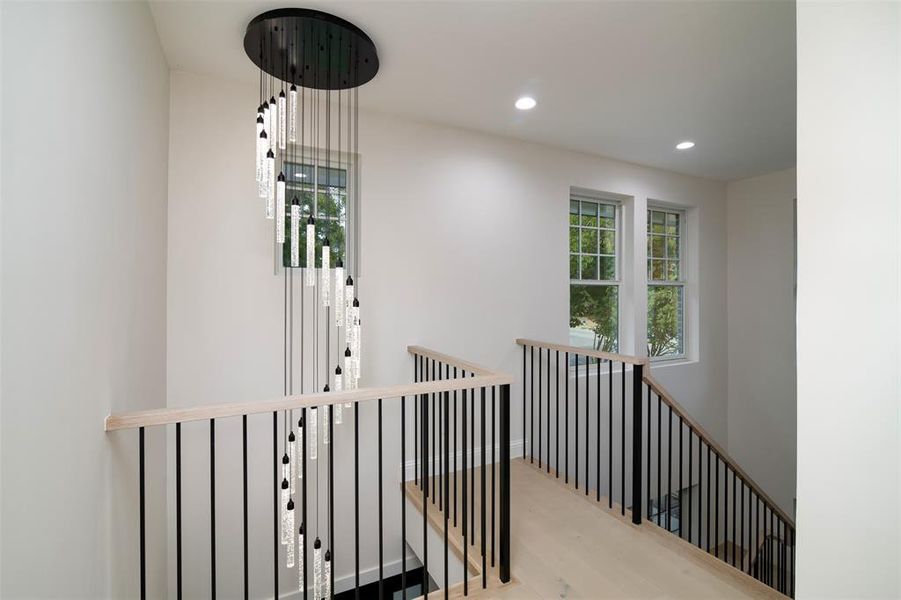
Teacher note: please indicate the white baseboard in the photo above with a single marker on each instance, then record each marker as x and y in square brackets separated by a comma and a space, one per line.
[475, 455]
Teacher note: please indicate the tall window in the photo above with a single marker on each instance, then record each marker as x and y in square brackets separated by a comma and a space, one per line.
[666, 286]
[329, 205]
[594, 274]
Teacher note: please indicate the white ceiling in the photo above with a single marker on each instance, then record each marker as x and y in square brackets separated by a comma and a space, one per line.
[626, 80]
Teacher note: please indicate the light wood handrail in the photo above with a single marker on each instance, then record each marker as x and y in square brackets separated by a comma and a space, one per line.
[463, 365]
[165, 416]
[623, 358]
[719, 450]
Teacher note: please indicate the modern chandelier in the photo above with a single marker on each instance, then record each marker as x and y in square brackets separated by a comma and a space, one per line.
[311, 65]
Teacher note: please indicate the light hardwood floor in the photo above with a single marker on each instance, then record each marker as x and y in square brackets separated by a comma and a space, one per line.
[565, 545]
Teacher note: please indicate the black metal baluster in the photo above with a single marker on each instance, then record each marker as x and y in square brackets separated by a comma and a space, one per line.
[649, 419]
[566, 422]
[381, 517]
[524, 440]
[622, 444]
[424, 399]
[504, 484]
[484, 553]
[472, 464]
[690, 478]
[539, 406]
[576, 424]
[659, 492]
[733, 517]
[493, 463]
[756, 532]
[557, 417]
[547, 463]
[455, 438]
[669, 470]
[597, 445]
[434, 438]
[246, 565]
[791, 562]
[356, 502]
[403, 497]
[213, 509]
[178, 578]
[610, 434]
[587, 424]
[681, 511]
[303, 499]
[416, 360]
[716, 507]
[532, 405]
[143, 515]
[708, 497]
[275, 491]
[446, 482]
[741, 535]
[725, 556]
[465, 530]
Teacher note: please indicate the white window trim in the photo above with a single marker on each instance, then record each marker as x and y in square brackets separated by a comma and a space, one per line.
[683, 281]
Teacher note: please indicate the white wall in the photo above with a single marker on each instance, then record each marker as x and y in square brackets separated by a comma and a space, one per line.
[761, 307]
[849, 321]
[465, 243]
[85, 105]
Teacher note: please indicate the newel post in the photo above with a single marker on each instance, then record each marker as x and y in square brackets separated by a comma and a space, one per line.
[637, 374]
[504, 483]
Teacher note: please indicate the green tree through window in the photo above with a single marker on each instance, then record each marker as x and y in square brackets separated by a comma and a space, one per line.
[594, 288]
[666, 288]
[330, 188]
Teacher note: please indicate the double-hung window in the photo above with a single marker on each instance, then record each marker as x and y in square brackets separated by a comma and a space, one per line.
[321, 190]
[594, 273]
[666, 284]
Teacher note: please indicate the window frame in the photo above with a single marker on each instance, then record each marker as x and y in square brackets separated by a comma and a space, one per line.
[682, 282]
[617, 281]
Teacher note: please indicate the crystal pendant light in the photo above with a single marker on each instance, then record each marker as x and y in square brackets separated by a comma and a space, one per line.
[355, 349]
[339, 384]
[317, 569]
[292, 114]
[273, 131]
[289, 550]
[270, 184]
[348, 302]
[326, 272]
[311, 252]
[348, 370]
[262, 165]
[292, 461]
[300, 553]
[280, 209]
[312, 433]
[300, 429]
[325, 420]
[267, 121]
[285, 498]
[286, 467]
[282, 119]
[327, 576]
[259, 153]
[339, 294]
[295, 232]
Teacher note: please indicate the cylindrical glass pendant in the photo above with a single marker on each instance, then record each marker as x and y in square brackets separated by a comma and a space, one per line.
[286, 467]
[282, 118]
[325, 422]
[292, 114]
[358, 343]
[300, 429]
[280, 209]
[300, 553]
[311, 252]
[339, 294]
[348, 302]
[289, 550]
[339, 385]
[270, 185]
[286, 497]
[273, 131]
[313, 432]
[292, 460]
[258, 157]
[326, 271]
[295, 232]
[317, 569]
[267, 121]
[348, 369]
[327, 575]
[262, 148]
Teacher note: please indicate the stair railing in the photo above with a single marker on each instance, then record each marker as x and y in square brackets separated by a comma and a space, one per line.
[603, 408]
[471, 379]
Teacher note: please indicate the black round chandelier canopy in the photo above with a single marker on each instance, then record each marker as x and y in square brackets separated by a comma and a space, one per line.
[311, 48]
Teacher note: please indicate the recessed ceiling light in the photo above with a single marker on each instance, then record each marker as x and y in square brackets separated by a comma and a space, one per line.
[526, 103]
[685, 145]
